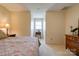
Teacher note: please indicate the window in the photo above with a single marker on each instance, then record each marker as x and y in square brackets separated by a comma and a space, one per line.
[38, 25]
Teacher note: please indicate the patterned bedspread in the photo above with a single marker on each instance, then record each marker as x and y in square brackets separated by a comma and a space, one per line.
[19, 46]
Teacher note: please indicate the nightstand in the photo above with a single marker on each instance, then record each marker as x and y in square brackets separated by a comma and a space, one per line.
[12, 35]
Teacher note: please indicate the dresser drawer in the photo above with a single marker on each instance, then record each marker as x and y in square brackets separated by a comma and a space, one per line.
[72, 43]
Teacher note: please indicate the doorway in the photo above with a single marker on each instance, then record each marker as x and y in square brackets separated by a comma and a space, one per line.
[37, 24]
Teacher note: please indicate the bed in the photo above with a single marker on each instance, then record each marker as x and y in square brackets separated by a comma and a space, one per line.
[19, 46]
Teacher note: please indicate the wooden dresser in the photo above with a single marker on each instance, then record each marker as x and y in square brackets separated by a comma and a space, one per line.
[72, 43]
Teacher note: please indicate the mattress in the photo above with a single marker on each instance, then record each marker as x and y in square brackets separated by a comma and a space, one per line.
[19, 46]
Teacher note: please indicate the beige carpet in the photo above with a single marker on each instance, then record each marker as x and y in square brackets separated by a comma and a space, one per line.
[53, 50]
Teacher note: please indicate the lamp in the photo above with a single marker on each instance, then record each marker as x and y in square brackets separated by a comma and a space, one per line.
[7, 26]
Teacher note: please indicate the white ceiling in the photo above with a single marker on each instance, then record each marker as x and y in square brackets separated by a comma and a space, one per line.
[36, 6]
[60, 6]
[14, 6]
[47, 6]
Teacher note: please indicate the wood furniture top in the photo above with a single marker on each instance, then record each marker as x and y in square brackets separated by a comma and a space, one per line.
[12, 35]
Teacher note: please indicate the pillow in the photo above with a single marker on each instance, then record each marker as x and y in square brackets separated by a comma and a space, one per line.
[2, 35]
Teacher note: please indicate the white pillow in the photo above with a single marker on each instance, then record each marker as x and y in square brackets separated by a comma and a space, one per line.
[2, 35]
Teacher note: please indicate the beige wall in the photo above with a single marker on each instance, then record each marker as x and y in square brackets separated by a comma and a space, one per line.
[20, 22]
[71, 18]
[4, 16]
[55, 27]
[58, 24]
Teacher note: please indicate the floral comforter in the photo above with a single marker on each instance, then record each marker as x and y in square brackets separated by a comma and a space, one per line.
[19, 46]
